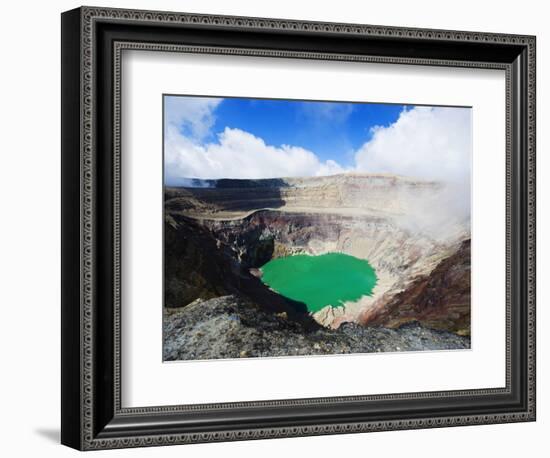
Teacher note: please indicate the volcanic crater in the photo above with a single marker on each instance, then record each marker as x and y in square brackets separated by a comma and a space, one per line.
[219, 234]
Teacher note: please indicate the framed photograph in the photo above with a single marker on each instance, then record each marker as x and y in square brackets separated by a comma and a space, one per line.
[276, 228]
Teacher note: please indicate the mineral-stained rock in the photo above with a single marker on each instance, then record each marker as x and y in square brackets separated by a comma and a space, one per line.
[232, 327]
[440, 300]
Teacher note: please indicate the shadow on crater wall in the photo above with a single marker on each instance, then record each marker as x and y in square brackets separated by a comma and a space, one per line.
[197, 266]
[228, 194]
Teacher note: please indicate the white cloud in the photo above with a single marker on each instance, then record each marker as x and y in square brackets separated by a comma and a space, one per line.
[192, 115]
[321, 112]
[239, 154]
[432, 143]
[425, 142]
[234, 154]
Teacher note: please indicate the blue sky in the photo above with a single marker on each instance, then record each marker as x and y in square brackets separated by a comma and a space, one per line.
[332, 130]
[212, 138]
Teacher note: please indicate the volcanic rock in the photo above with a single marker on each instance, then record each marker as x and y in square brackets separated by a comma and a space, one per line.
[231, 327]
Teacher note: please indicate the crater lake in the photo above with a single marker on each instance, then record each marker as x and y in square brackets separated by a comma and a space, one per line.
[318, 281]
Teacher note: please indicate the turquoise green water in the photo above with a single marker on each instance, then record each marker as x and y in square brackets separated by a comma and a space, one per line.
[318, 281]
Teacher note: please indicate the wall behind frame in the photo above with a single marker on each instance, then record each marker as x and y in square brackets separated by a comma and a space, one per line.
[30, 240]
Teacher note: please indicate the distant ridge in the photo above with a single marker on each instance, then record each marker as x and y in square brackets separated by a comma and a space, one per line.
[231, 183]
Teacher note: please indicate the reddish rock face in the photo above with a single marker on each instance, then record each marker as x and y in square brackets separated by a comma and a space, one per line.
[440, 300]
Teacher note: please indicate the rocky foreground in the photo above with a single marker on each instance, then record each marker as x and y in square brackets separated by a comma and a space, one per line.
[233, 327]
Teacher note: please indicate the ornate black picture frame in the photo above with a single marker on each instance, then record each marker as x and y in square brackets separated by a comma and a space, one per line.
[92, 42]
